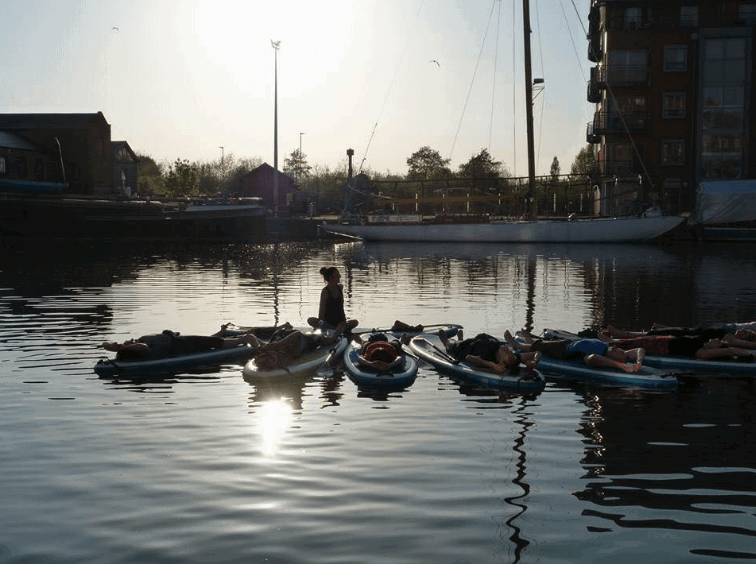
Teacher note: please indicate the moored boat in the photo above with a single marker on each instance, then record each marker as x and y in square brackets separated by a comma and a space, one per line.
[601, 230]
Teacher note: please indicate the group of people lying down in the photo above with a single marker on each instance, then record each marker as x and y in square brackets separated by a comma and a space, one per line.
[279, 346]
[610, 348]
[274, 347]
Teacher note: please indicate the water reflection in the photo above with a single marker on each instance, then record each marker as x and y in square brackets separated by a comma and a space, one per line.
[687, 456]
[275, 418]
[618, 284]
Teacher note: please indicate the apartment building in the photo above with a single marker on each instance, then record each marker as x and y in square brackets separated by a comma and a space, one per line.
[674, 91]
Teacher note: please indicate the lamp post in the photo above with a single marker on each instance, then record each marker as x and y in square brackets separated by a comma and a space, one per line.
[299, 172]
[276, 45]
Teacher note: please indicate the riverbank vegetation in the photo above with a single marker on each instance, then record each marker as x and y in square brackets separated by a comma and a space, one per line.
[428, 175]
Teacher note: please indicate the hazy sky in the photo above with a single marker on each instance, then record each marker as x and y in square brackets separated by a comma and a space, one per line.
[181, 78]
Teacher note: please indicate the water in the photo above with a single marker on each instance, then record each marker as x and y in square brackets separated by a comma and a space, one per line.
[212, 468]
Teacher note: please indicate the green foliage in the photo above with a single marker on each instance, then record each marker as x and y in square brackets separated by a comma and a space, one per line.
[585, 161]
[295, 165]
[481, 165]
[182, 179]
[427, 164]
[150, 175]
[555, 169]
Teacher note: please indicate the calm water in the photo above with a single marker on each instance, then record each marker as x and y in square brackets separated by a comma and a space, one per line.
[212, 468]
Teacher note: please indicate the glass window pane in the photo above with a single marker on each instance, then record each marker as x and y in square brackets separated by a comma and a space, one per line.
[733, 71]
[712, 97]
[714, 49]
[733, 96]
[735, 48]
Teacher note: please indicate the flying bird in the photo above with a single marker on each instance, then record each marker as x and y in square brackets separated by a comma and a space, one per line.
[435, 61]
[114, 28]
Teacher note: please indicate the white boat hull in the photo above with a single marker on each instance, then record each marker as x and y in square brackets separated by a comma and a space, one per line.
[604, 230]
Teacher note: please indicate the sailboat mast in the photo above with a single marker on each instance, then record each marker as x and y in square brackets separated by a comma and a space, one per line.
[529, 108]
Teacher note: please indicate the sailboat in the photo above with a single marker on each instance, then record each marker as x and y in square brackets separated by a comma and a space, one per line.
[417, 228]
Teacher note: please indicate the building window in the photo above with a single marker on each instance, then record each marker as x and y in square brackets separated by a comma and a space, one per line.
[633, 17]
[675, 58]
[627, 67]
[747, 14]
[673, 152]
[673, 105]
[689, 15]
[2, 165]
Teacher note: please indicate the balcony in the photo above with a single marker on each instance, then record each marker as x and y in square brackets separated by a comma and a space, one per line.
[594, 91]
[620, 75]
[614, 122]
[590, 136]
[620, 168]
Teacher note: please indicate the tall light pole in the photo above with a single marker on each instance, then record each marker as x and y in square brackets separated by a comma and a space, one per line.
[222, 168]
[299, 173]
[276, 45]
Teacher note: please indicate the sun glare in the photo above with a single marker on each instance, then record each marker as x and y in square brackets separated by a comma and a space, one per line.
[275, 418]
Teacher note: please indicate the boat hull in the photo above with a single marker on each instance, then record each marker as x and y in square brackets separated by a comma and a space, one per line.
[604, 230]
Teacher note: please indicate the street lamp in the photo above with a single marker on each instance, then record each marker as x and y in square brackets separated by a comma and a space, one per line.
[276, 45]
[299, 172]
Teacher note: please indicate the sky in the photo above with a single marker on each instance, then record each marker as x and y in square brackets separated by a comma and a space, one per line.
[179, 79]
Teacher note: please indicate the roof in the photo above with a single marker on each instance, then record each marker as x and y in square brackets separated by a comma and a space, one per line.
[48, 121]
[11, 141]
[117, 146]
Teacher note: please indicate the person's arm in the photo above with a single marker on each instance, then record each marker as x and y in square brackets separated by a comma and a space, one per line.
[531, 359]
[323, 300]
[477, 361]
[721, 352]
[733, 341]
[599, 361]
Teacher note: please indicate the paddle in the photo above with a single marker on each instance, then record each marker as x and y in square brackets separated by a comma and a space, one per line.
[331, 353]
[453, 329]
[443, 354]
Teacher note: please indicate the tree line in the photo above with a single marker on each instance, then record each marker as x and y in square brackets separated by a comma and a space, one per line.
[211, 178]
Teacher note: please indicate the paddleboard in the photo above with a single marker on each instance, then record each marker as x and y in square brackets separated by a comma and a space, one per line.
[525, 380]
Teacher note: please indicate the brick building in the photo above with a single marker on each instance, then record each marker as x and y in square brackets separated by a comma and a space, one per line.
[80, 141]
[673, 87]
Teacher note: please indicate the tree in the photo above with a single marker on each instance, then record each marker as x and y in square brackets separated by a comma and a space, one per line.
[296, 165]
[427, 164]
[182, 179]
[150, 174]
[555, 169]
[481, 165]
[584, 162]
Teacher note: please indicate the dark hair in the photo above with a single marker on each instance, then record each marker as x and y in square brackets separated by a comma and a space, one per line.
[328, 271]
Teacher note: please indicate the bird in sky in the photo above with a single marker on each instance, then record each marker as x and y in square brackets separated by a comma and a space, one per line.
[114, 28]
[275, 44]
[435, 61]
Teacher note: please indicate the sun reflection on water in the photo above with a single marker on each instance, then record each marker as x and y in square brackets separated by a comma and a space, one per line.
[275, 417]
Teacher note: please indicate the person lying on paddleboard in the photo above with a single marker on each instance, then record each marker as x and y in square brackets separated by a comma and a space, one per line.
[693, 346]
[331, 310]
[736, 334]
[380, 354]
[288, 346]
[594, 352]
[489, 352]
[168, 343]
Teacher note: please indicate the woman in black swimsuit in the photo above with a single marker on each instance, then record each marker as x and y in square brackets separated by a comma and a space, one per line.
[331, 312]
